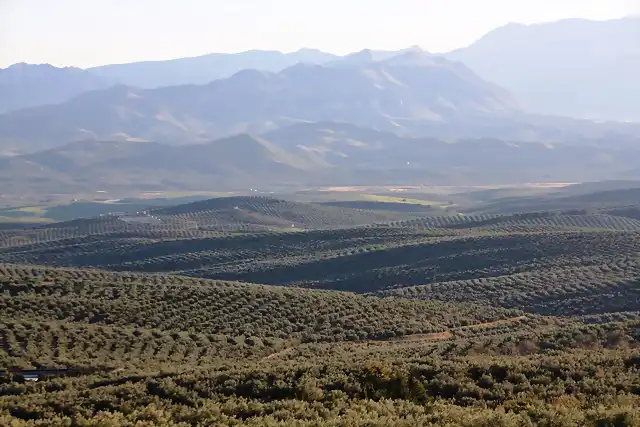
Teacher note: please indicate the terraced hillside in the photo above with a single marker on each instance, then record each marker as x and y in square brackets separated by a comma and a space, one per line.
[612, 286]
[632, 212]
[186, 351]
[358, 259]
[213, 217]
[585, 196]
[51, 315]
[206, 218]
[451, 320]
[616, 219]
[263, 212]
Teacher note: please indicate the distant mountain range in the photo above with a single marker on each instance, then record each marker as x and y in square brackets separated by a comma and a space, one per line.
[310, 118]
[413, 93]
[575, 67]
[25, 85]
[206, 68]
[308, 154]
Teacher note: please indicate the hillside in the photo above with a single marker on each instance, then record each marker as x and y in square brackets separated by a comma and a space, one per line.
[433, 320]
[308, 155]
[228, 309]
[204, 219]
[576, 68]
[238, 162]
[577, 290]
[396, 249]
[582, 197]
[30, 85]
[101, 340]
[268, 239]
[26, 85]
[467, 160]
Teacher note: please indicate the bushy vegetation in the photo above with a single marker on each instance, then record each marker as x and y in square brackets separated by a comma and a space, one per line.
[561, 375]
[358, 259]
[520, 320]
[571, 290]
[227, 212]
[232, 309]
[203, 219]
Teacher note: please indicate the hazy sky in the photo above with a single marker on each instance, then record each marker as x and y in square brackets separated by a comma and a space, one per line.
[94, 32]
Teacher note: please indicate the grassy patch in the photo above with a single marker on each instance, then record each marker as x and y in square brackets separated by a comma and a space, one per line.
[34, 210]
[23, 212]
[25, 220]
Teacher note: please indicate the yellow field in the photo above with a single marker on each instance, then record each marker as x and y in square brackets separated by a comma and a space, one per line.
[26, 219]
[178, 194]
[35, 210]
[393, 199]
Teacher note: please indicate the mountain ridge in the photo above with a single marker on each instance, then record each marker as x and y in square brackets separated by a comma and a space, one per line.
[317, 154]
[388, 94]
[27, 85]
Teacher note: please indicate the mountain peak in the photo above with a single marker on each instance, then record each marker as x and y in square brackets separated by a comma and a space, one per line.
[24, 66]
[414, 48]
[572, 67]
[363, 55]
[25, 85]
[414, 58]
[308, 50]
[18, 66]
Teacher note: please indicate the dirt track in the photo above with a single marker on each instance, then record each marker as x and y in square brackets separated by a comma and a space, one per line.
[436, 336]
[278, 354]
[448, 334]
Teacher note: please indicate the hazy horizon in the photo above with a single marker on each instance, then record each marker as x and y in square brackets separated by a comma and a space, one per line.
[86, 34]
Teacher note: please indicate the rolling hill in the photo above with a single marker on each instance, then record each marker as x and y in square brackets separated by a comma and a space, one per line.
[392, 250]
[206, 218]
[407, 282]
[430, 321]
[240, 161]
[307, 155]
[470, 160]
[580, 197]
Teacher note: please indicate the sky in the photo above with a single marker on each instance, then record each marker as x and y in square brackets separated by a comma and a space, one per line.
[87, 33]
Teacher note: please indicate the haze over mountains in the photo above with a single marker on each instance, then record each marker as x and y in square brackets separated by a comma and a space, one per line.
[315, 118]
[203, 69]
[24, 85]
[413, 93]
[575, 67]
[310, 155]
[27, 85]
